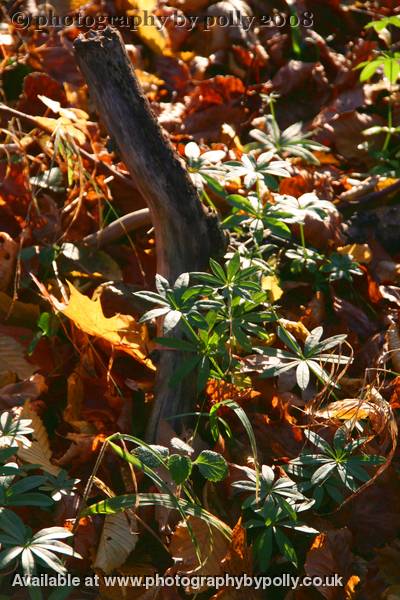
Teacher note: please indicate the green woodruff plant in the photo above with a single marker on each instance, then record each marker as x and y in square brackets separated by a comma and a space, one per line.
[20, 546]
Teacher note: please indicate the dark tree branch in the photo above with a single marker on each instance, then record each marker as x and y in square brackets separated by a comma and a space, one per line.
[185, 235]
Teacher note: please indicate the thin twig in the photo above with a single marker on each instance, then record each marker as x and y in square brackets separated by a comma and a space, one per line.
[118, 228]
[371, 198]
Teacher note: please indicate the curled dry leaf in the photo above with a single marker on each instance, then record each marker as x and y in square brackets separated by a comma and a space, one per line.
[346, 132]
[296, 328]
[354, 408]
[212, 545]
[22, 391]
[359, 252]
[321, 233]
[17, 312]
[393, 339]
[81, 450]
[8, 255]
[117, 541]
[12, 358]
[237, 561]
[39, 452]
[330, 554]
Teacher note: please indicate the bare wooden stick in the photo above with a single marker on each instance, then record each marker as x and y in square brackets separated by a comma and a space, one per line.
[185, 235]
[118, 228]
[371, 200]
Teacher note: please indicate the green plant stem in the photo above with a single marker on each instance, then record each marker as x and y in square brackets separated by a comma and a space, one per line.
[302, 238]
[272, 108]
[390, 122]
[209, 201]
[231, 337]
[189, 327]
[390, 113]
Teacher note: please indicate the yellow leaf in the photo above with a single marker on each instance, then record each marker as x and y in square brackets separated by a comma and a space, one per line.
[350, 591]
[384, 183]
[360, 252]
[270, 283]
[296, 328]
[72, 114]
[326, 158]
[12, 358]
[122, 331]
[156, 39]
[63, 126]
[351, 408]
[147, 80]
[151, 31]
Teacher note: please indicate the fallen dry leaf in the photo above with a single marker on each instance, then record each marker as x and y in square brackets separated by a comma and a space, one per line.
[12, 358]
[118, 539]
[39, 452]
[212, 546]
[122, 331]
[17, 393]
[8, 255]
[330, 554]
[359, 252]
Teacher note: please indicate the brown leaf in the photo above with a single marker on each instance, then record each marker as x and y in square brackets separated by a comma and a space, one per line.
[17, 312]
[373, 516]
[354, 317]
[330, 554]
[81, 450]
[212, 545]
[39, 83]
[12, 358]
[8, 255]
[239, 558]
[345, 131]
[39, 452]
[17, 393]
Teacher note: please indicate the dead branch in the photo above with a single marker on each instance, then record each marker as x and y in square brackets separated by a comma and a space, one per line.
[371, 200]
[118, 228]
[185, 235]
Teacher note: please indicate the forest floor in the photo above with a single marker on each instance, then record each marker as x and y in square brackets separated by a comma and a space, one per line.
[287, 118]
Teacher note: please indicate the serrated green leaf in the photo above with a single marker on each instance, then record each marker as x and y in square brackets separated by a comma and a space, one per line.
[212, 465]
[179, 467]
